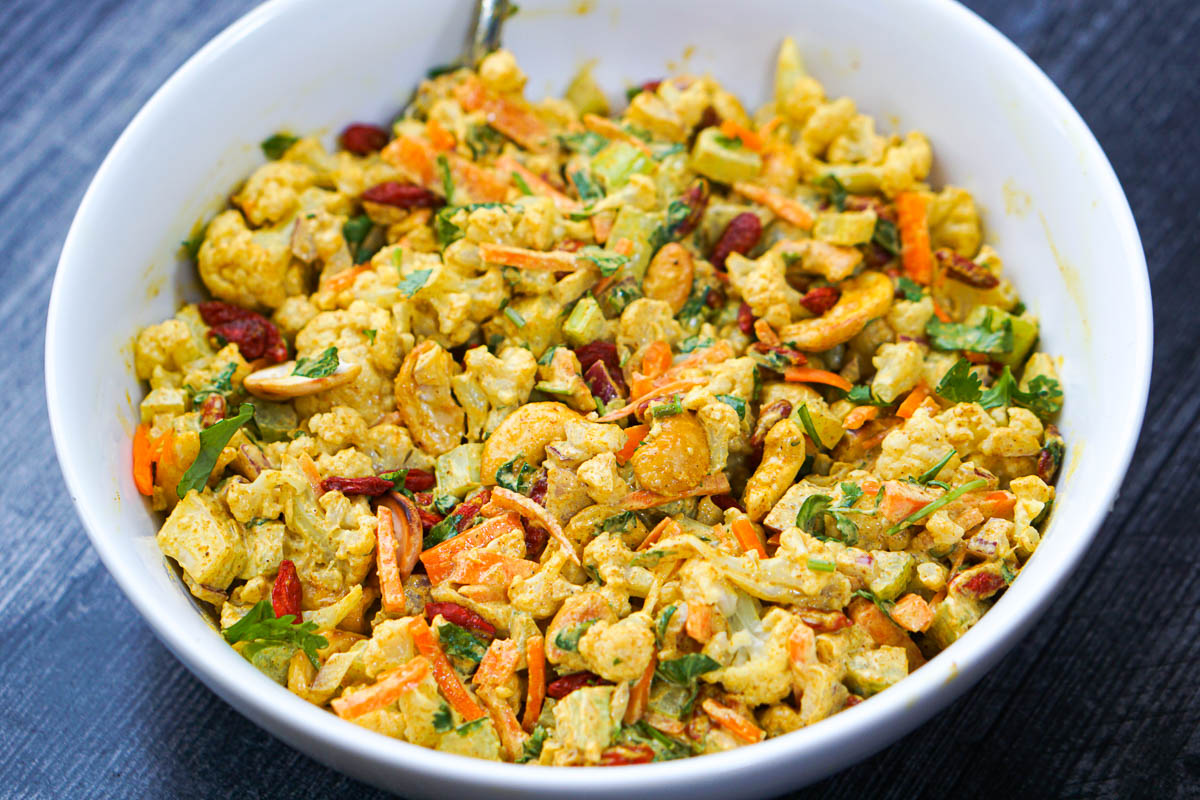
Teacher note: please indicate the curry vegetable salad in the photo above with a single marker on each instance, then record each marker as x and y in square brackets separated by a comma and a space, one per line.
[529, 433]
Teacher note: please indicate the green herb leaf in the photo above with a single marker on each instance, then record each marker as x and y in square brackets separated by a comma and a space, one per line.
[587, 143]
[947, 498]
[412, 283]
[728, 142]
[861, 394]
[318, 366]
[1043, 398]
[396, 477]
[809, 428]
[911, 290]
[443, 166]
[809, 517]
[665, 747]
[262, 628]
[533, 745]
[370, 333]
[696, 305]
[568, 638]
[212, 441]
[976, 339]
[355, 229]
[960, 384]
[851, 492]
[664, 619]
[694, 343]
[589, 190]
[442, 69]
[821, 565]
[442, 719]
[483, 140]
[467, 728]
[619, 523]
[608, 261]
[931, 473]
[683, 671]
[736, 403]
[521, 184]
[222, 384]
[459, 642]
[883, 605]
[515, 475]
[275, 146]
[834, 188]
[1007, 573]
[886, 236]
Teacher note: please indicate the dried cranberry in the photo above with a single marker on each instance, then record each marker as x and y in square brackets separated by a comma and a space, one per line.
[537, 492]
[696, 198]
[821, 299]
[875, 256]
[745, 319]
[536, 538]
[560, 688]
[361, 138]
[428, 518]
[371, 487]
[592, 352]
[652, 86]
[823, 621]
[622, 754]
[852, 700]
[286, 594]
[726, 502]
[401, 195]
[964, 270]
[740, 236]
[419, 480]
[601, 383]
[462, 617]
[709, 118]
[254, 335]
[980, 585]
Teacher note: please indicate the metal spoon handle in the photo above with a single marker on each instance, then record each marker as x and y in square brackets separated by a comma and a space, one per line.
[486, 23]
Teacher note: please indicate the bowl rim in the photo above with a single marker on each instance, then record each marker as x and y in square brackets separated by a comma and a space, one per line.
[837, 741]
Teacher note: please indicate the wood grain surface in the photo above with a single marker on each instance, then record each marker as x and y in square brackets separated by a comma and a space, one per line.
[1101, 700]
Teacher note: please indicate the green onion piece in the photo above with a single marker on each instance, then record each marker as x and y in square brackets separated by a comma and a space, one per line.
[515, 316]
[946, 499]
[821, 565]
[809, 428]
[931, 473]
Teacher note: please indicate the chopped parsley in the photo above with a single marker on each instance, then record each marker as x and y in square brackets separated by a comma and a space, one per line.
[960, 384]
[442, 719]
[412, 283]
[320, 366]
[533, 745]
[974, 338]
[212, 441]
[608, 261]
[861, 394]
[587, 142]
[458, 642]
[834, 188]
[911, 290]
[516, 475]
[260, 629]
[589, 190]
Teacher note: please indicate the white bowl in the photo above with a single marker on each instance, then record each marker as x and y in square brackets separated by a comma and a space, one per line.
[1052, 206]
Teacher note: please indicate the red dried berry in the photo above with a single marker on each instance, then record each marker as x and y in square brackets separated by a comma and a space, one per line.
[401, 195]
[740, 236]
[254, 335]
[371, 487]
[428, 518]
[622, 754]
[536, 538]
[361, 138]
[821, 299]
[469, 510]
[537, 492]
[726, 502]
[852, 700]
[462, 617]
[745, 319]
[823, 621]
[419, 480]
[979, 586]
[964, 270]
[560, 688]
[286, 593]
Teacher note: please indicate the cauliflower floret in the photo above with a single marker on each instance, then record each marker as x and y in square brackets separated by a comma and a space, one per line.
[1022, 437]
[857, 142]
[602, 479]
[644, 321]
[370, 394]
[295, 312]
[611, 558]
[264, 498]
[508, 379]
[648, 110]
[898, 369]
[561, 377]
[954, 221]
[347, 463]
[722, 426]
[272, 191]
[340, 427]
[905, 164]
[207, 543]
[500, 73]
[763, 285]
[1032, 496]
[912, 448]
[765, 675]
[248, 268]
[619, 652]
[264, 549]
[391, 447]
[541, 224]
[208, 373]
[168, 346]
[908, 318]
[825, 124]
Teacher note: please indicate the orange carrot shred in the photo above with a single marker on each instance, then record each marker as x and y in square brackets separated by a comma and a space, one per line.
[699, 621]
[914, 399]
[391, 585]
[859, 416]
[665, 527]
[499, 663]
[941, 313]
[143, 475]
[639, 695]
[811, 375]
[735, 130]
[439, 137]
[384, 691]
[634, 435]
[783, 207]
[912, 221]
[535, 657]
[733, 722]
[748, 538]
[447, 679]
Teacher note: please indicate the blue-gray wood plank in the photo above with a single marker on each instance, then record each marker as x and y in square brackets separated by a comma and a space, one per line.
[1101, 700]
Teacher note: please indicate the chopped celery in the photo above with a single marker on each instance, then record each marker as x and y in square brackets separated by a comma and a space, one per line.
[847, 228]
[713, 158]
[872, 671]
[458, 470]
[585, 94]
[615, 163]
[585, 324]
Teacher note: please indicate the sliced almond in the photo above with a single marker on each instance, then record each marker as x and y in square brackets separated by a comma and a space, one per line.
[278, 382]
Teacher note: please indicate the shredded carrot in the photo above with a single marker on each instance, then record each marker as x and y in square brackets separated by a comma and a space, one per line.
[811, 375]
[499, 663]
[859, 416]
[535, 183]
[975, 358]
[535, 658]
[783, 207]
[913, 401]
[657, 359]
[666, 527]
[634, 435]
[639, 695]
[802, 645]
[643, 498]
[733, 722]
[309, 468]
[769, 128]
[482, 184]
[509, 256]
[411, 156]
[488, 566]
[439, 137]
[748, 538]
[912, 613]
[735, 130]
[439, 560]
[623, 247]
[719, 352]
[513, 120]
[447, 679]
[384, 691]
[998, 504]
[611, 130]
[662, 391]
[867, 615]
[505, 721]
[941, 313]
[902, 499]
[391, 585]
[143, 474]
[912, 221]
[699, 621]
[602, 225]
[532, 511]
[341, 281]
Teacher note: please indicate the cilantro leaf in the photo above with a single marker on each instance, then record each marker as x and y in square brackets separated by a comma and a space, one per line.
[467, 728]
[1043, 398]
[620, 522]
[261, 628]
[414, 281]
[442, 719]
[851, 492]
[736, 403]
[728, 142]
[911, 290]
[318, 366]
[443, 166]
[664, 619]
[533, 745]
[834, 188]
[212, 441]
[886, 236]
[446, 529]
[587, 143]
[355, 229]
[608, 261]
[568, 638]
[222, 384]
[861, 394]
[976, 339]
[809, 517]
[589, 190]
[665, 748]
[684, 670]
[275, 146]
[960, 384]
[516, 475]
[459, 642]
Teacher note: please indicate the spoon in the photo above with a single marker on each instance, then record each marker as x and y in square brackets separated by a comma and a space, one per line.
[484, 37]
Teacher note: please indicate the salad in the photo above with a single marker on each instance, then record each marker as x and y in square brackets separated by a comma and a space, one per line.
[529, 432]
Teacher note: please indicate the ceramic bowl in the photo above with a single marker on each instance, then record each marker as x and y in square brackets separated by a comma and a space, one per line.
[999, 127]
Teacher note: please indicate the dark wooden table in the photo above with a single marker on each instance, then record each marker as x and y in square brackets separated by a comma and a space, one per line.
[1101, 700]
